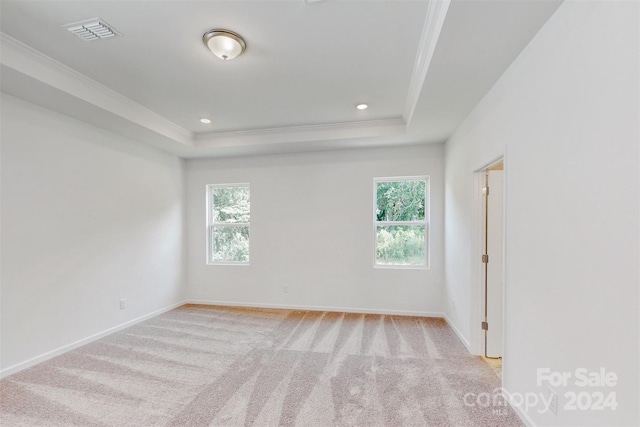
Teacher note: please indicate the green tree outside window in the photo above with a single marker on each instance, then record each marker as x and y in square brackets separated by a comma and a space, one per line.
[401, 221]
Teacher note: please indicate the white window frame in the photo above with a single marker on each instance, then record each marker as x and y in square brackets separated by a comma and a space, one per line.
[211, 224]
[425, 223]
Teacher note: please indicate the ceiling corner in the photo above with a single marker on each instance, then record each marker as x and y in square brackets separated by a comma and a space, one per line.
[35, 65]
[436, 14]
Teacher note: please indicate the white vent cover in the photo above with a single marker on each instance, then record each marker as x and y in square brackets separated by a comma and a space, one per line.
[92, 29]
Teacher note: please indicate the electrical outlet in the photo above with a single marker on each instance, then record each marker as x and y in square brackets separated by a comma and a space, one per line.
[123, 304]
[553, 401]
[285, 289]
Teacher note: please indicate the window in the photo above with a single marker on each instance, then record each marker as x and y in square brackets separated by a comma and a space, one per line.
[228, 215]
[401, 222]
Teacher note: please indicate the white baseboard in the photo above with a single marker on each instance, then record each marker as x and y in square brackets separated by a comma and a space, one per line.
[319, 308]
[65, 348]
[458, 333]
[524, 417]
[53, 353]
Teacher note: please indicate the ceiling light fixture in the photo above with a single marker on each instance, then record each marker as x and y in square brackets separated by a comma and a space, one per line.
[362, 106]
[205, 120]
[224, 44]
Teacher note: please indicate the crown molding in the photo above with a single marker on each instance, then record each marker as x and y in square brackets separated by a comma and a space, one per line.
[32, 63]
[47, 71]
[436, 13]
[306, 133]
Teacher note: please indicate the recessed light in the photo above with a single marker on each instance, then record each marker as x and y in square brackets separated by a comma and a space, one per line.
[362, 106]
[205, 120]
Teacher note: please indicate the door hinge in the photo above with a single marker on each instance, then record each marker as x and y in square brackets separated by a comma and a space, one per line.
[485, 259]
[485, 326]
[485, 191]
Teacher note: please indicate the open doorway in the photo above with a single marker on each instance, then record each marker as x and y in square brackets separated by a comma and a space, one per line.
[493, 264]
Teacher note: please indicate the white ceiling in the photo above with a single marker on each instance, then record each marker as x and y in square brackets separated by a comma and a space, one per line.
[420, 65]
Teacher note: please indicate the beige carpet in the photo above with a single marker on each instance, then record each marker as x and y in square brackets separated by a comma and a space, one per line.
[217, 366]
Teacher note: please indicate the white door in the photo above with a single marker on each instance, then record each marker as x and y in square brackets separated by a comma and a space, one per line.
[495, 179]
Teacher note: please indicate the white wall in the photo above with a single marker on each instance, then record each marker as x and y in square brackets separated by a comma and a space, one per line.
[312, 230]
[566, 113]
[88, 218]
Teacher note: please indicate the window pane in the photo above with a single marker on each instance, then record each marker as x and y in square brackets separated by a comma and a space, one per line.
[400, 200]
[231, 204]
[230, 244]
[400, 245]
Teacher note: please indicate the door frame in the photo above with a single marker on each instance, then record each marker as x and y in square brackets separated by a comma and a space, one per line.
[477, 249]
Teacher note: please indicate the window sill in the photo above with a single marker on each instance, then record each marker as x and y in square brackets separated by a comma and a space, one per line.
[401, 267]
[233, 264]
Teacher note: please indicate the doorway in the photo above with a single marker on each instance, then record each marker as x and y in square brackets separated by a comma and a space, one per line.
[493, 262]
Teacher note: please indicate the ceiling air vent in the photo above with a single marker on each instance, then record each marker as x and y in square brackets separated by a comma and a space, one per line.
[92, 29]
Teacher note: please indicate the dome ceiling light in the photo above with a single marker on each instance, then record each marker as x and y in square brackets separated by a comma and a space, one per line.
[224, 44]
